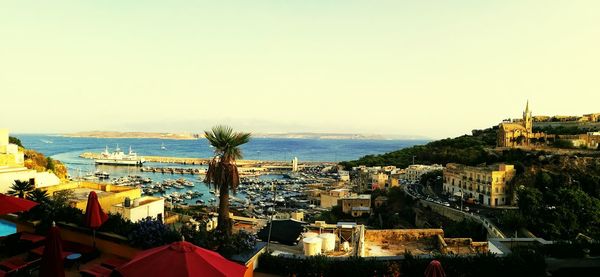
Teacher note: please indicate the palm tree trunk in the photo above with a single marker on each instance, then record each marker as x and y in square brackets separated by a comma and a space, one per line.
[224, 223]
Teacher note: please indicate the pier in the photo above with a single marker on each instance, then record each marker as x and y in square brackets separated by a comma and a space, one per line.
[173, 170]
[204, 161]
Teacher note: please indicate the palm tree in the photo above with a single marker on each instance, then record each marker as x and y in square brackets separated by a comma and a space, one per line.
[222, 170]
[21, 188]
[38, 195]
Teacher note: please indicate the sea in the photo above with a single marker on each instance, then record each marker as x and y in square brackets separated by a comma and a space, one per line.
[68, 149]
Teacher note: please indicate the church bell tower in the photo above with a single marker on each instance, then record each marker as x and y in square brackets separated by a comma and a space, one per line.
[528, 119]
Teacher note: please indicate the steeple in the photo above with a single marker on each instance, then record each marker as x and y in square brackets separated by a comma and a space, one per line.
[527, 118]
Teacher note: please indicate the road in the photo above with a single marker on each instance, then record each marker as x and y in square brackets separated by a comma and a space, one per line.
[485, 215]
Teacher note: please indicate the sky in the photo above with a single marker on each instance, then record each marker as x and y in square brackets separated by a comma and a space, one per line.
[411, 68]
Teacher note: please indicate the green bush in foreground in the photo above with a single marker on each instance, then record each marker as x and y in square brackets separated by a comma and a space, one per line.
[522, 263]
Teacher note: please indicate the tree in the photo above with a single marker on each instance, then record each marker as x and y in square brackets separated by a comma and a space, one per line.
[15, 140]
[222, 170]
[38, 195]
[20, 188]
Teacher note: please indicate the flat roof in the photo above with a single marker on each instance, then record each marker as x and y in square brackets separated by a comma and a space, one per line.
[81, 194]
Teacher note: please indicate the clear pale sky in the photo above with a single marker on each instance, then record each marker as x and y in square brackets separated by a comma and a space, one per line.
[429, 68]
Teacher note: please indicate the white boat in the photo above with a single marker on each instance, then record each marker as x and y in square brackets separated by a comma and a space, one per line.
[162, 147]
[120, 158]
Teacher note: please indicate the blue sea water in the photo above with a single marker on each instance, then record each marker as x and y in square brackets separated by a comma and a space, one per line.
[258, 148]
[68, 149]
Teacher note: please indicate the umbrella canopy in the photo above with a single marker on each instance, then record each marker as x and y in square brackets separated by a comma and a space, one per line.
[9, 204]
[94, 216]
[52, 259]
[180, 259]
[434, 269]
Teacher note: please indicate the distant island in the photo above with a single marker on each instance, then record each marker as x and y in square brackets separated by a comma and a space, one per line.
[192, 136]
[111, 134]
[333, 136]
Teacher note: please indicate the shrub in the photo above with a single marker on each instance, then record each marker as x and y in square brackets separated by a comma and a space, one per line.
[149, 233]
[520, 263]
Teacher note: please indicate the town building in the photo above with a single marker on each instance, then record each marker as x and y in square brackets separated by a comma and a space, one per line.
[356, 206]
[330, 198]
[140, 208]
[379, 179]
[12, 167]
[519, 132]
[127, 201]
[344, 175]
[593, 117]
[414, 172]
[489, 185]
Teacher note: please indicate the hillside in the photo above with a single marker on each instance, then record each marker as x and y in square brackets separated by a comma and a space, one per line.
[37, 161]
[558, 191]
[468, 149]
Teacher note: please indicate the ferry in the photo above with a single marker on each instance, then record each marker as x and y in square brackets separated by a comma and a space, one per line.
[120, 158]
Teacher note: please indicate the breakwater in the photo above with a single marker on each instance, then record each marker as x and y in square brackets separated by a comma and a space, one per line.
[204, 161]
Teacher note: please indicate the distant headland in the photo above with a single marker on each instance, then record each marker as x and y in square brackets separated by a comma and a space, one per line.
[112, 134]
[192, 136]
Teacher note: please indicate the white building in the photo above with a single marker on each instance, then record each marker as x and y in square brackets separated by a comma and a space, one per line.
[414, 172]
[141, 208]
[12, 167]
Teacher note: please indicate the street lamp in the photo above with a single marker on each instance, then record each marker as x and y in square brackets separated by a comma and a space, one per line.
[274, 188]
[461, 199]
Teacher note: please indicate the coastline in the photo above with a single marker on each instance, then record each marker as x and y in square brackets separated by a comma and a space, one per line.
[134, 135]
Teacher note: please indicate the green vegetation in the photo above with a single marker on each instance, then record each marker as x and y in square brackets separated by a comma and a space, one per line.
[466, 228]
[519, 263]
[38, 195]
[15, 140]
[562, 143]
[217, 241]
[467, 149]
[565, 130]
[433, 181]
[222, 171]
[20, 188]
[553, 209]
[397, 213]
[332, 216]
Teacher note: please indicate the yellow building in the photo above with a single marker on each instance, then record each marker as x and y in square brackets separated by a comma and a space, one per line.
[108, 195]
[356, 206]
[519, 133]
[489, 185]
[330, 198]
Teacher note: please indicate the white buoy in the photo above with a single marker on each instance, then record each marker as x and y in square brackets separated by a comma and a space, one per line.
[312, 246]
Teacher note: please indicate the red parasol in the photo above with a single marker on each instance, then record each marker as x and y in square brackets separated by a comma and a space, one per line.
[9, 204]
[94, 216]
[434, 269]
[180, 259]
[52, 258]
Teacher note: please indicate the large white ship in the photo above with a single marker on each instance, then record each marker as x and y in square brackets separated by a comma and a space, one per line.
[120, 158]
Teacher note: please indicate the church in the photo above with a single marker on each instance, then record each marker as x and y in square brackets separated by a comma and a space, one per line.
[519, 132]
